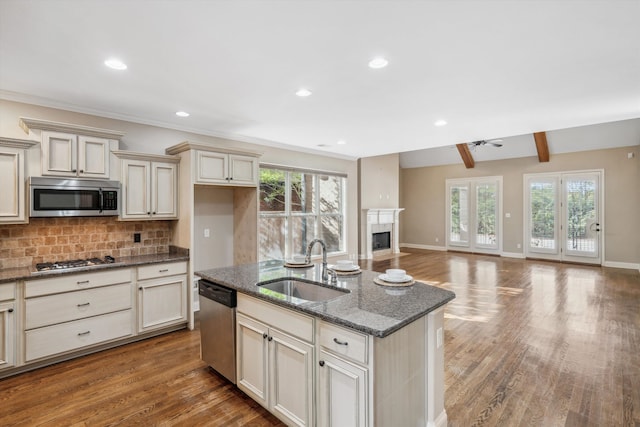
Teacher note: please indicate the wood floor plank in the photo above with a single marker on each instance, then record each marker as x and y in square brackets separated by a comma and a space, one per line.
[527, 343]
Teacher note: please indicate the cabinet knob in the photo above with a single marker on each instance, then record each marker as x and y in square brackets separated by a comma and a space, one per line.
[74, 170]
[264, 336]
[270, 339]
[10, 310]
[140, 288]
[321, 363]
[153, 213]
[148, 213]
[81, 171]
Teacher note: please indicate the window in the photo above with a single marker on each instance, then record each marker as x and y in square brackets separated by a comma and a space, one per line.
[296, 207]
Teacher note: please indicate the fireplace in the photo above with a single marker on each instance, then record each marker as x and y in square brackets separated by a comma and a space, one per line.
[381, 241]
[382, 232]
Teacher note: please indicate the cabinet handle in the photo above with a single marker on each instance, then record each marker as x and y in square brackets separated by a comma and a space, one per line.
[10, 310]
[82, 282]
[264, 336]
[337, 341]
[153, 213]
[81, 171]
[140, 288]
[163, 271]
[270, 339]
[148, 213]
[83, 333]
[74, 170]
[84, 304]
[321, 363]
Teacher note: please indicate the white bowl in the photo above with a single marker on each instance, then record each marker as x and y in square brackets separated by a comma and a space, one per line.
[346, 263]
[396, 273]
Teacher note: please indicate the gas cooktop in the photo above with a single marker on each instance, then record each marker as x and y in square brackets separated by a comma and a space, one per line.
[76, 263]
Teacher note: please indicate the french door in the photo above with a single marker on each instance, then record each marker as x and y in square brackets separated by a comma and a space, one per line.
[563, 216]
[474, 209]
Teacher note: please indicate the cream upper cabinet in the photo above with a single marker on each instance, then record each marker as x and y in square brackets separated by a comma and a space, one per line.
[73, 150]
[65, 154]
[13, 174]
[149, 186]
[226, 169]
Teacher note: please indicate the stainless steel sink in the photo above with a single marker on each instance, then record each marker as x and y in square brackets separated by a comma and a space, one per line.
[299, 291]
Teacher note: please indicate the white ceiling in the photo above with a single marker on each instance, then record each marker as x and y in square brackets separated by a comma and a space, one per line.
[491, 69]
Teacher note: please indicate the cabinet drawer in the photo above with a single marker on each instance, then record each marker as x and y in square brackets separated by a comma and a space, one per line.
[290, 322]
[345, 342]
[69, 336]
[7, 291]
[161, 270]
[74, 282]
[52, 309]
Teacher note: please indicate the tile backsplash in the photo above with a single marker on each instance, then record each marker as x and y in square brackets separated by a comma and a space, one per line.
[58, 239]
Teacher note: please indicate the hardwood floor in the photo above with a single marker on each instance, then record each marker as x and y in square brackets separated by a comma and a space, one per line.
[526, 343]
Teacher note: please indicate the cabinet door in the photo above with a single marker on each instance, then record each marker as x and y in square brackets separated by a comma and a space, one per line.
[342, 392]
[212, 167]
[12, 204]
[164, 197]
[291, 378]
[93, 157]
[136, 193]
[162, 302]
[59, 154]
[243, 170]
[251, 358]
[7, 335]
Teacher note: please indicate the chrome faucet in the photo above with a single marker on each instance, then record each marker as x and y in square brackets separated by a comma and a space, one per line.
[307, 259]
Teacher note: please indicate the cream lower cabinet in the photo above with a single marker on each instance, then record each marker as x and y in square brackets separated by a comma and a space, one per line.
[70, 312]
[7, 325]
[162, 295]
[275, 363]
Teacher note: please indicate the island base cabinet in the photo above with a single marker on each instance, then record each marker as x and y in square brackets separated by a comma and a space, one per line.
[276, 370]
[342, 392]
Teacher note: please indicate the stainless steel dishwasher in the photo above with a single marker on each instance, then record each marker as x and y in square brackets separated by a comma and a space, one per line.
[218, 328]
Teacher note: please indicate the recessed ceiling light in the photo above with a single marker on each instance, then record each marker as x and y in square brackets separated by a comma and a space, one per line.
[182, 114]
[116, 64]
[440, 123]
[378, 63]
[303, 92]
[342, 142]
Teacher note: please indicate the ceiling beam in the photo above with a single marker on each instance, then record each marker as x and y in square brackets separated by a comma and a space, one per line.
[467, 158]
[541, 146]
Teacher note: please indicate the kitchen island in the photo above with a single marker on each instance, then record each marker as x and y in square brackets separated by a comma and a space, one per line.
[372, 356]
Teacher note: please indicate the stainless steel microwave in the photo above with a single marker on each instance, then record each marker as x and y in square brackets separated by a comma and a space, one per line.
[58, 197]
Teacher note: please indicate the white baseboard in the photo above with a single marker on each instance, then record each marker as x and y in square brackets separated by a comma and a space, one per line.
[512, 255]
[428, 247]
[615, 264]
[440, 421]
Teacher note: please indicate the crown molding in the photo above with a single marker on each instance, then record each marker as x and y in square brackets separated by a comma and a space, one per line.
[28, 124]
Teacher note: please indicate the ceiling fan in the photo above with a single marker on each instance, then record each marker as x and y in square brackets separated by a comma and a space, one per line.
[492, 142]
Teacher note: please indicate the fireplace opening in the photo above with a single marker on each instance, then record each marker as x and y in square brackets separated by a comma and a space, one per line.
[381, 241]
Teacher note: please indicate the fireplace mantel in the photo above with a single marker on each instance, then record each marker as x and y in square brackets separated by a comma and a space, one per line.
[383, 216]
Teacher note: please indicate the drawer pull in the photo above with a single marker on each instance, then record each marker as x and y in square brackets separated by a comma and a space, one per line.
[80, 334]
[321, 363]
[163, 271]
[82, 282]
[337, 341]
[84, 304]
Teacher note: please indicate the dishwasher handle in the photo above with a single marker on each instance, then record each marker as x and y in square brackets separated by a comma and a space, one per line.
[217, 293]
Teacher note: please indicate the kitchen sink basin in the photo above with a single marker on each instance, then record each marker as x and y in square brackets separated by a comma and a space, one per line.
[299, 291]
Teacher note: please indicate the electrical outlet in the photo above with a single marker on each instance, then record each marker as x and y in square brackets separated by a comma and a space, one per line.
[207, 232]
[437, 240]
[519, 245]
[136, 237]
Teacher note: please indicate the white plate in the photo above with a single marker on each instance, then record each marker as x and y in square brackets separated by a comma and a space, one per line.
[386, 278]
[294, 262]
[343, 268]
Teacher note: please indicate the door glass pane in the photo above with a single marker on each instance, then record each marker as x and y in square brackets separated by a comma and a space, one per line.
[581, 226]
[542, 215]
[459, 215]
[486, 213]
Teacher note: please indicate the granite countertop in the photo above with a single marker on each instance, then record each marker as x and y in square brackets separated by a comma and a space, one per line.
[26, 273]
[368, 307]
